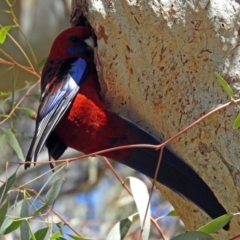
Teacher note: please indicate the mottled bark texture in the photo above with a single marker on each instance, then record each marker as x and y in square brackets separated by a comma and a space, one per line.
[156, 62]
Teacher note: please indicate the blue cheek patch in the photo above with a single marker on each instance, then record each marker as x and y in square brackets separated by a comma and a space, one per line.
[73, 50]
[78, 70]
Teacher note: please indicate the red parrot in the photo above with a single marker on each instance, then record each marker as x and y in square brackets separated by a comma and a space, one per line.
[71, 114]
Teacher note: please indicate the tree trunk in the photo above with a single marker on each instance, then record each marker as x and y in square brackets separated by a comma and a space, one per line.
[156, 62]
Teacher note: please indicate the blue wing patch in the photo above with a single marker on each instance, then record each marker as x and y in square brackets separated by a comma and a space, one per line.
[56, 99]
[78, 70]
[75, 75]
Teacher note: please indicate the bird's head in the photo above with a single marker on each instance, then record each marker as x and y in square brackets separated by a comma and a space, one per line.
[73, 42]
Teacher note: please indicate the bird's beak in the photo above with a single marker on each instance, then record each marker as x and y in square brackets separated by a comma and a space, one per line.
[90, 42]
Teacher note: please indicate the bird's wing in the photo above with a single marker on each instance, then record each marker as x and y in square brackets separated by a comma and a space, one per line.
[59, 86]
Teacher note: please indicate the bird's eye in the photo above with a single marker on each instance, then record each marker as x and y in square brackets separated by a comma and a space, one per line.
[73, 39]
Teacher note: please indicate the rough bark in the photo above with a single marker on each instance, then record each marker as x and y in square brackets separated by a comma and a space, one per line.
[156, 63]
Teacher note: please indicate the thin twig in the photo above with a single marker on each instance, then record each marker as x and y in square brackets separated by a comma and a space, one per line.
[19, 102]
[151, 192]
[61, 218]
[13, 63]
[130, 192]
[235, 237]
[19, 47]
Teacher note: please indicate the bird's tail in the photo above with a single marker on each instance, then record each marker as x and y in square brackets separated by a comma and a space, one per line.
[174, 173]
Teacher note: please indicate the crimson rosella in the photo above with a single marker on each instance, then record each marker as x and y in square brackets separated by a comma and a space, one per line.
[71, 114]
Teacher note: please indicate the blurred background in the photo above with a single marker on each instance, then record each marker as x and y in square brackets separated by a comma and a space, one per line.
[92, 200]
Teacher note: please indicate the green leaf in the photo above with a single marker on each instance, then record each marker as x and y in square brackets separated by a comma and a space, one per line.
[40, 234]
[53, 192]
[193, 236]
[55, 235]
[3, 33]
[51, 195]
[125, 224]
[41, 63]
[37, 96]
[41, 209]
[29, 112]
[119, 231]
[14, 143]
[44, 185]
[236, 123]
[216, 224]
[3, 212]
[172, 213]
[6, 187]
[60, 227]
[14, 225]
[24, 227]
[2, 138]
[224, 84]
[78, 238]
[4, 95]
[141, 198]
[7, 222]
